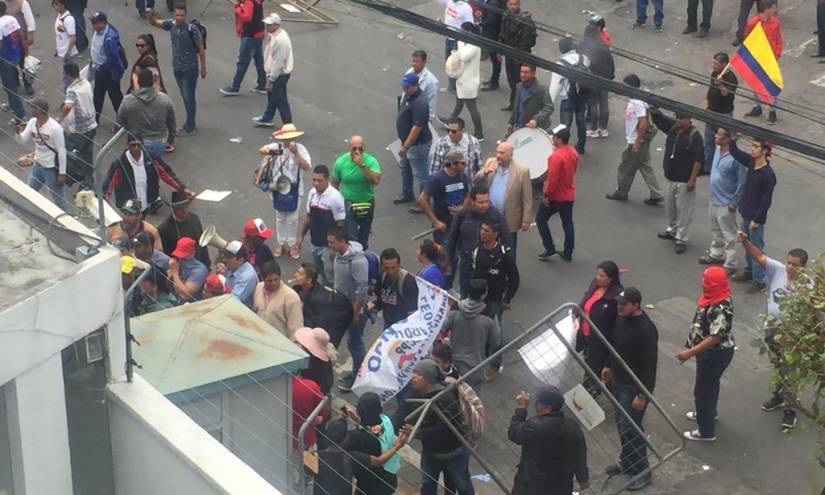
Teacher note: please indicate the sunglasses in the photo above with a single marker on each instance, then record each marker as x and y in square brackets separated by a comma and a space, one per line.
[140, 45]
[357, 148]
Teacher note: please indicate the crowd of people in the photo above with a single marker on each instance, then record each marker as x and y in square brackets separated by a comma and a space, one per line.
[477, 208]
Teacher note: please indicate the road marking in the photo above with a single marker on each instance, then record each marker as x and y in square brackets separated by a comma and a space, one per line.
[797, 52]
[819, 81]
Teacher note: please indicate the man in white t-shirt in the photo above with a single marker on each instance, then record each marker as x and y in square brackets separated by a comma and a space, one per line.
[636, 156]
[78, 114]
[777, 278]
[64, 35]
[456, 13]
[325, 209]
[49, 167]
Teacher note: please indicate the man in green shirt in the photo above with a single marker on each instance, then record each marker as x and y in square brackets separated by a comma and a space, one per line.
[355, 174]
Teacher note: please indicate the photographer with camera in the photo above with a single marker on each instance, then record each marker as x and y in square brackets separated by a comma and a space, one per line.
[282, 177]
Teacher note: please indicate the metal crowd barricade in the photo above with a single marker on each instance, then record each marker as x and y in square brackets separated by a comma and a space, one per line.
[599, 434]
[299, 462]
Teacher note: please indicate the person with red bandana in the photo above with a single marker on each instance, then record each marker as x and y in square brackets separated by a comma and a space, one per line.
[711, 342]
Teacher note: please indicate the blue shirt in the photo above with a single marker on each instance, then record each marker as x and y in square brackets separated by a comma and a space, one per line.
[432, 274]
[98, 53]
[161, 260]
[242, 282]
[727, 179]
[498, 188]
[194, 271]
[414, 110]
[184, 51]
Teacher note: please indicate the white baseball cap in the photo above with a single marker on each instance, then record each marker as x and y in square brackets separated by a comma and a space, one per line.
[272, 19]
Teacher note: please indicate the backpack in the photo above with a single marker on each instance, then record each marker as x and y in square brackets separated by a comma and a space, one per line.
[200, 27]
[473, 416]
[575, 90]
[373, 267]
[402, 276]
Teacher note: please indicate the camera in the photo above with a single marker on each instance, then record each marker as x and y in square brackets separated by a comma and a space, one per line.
[277, 151]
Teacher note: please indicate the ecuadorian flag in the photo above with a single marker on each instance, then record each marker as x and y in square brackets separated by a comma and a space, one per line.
[756, 64]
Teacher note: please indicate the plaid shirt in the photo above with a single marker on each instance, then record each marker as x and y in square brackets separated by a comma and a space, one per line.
[468, 144]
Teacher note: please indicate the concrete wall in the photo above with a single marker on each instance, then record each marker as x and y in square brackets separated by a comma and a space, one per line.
[6, 480]
[156, 448]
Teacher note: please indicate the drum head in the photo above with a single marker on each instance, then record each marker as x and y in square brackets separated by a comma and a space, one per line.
[531, 148]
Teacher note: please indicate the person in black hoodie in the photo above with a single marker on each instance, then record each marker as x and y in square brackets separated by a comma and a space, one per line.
[553, 449]
[518, 31]
[490, 29]
[601, 64]
[323, 306]
[463, 237]
[493, 261]
[441, 450]
[683, 160]
[599, 304]
[636, 341]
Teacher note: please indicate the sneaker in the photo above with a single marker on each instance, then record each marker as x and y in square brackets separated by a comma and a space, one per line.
[707, 259]
[755, 287]
[592, 134]
[508, 108]
[228, 91]
[659, 29]
[613, 470]
[680, 247]
[184, 132]
[546, 255]
[259, 122]
[736, 42]
[667, 235]
[580, 149]
[788, 420]
[689, 29]
[489, 87]
[773, 404]
[754, 112]
[403, 199]
[772, 117]
[259, 90]
[480, 137]
[345, 381]
[615, 196]
[603, 133]
[566, 257]
[415, 210]
[742, 277]
[691, 415]
[703, 33]
[639, 24]
[696, 437]
[639, 483]
[653, 201]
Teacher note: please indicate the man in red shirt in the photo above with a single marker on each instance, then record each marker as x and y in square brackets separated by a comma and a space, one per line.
[559, 194]
[773, 31]
[306, 395]
[249, 26]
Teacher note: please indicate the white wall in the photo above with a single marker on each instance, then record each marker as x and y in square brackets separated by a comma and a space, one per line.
[156, 448]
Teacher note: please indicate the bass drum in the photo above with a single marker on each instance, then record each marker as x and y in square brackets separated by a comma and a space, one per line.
[531, 148]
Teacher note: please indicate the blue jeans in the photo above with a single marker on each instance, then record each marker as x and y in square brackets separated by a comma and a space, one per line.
[710, 145]
[658, 7]
[187, 84]
[155, 147]
[250, 49]
[40, 176]
[276, 100]
[710, 365]
[633, 459]
[757, 238]
[415, 162]
[81, 40]
[9, 81]
[456, 469]
[318, 254]
[449, 46]
[355, 341]
[142, 5]
[511, 238]
[358, 227]
[565, 211]
[568, 110]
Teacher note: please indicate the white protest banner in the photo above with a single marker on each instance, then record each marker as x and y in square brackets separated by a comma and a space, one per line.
[390, 361]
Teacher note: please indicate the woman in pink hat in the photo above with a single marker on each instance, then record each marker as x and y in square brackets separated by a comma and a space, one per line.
[315, 341]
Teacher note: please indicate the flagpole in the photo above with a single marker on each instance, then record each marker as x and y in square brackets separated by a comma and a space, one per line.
[723, 71]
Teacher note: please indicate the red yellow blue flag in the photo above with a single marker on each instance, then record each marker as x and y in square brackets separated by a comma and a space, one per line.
[756, 64]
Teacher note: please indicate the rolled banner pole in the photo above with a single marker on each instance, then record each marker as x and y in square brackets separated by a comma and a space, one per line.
[422, 234]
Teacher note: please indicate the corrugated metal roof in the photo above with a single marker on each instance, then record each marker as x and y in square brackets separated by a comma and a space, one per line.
[189, 350]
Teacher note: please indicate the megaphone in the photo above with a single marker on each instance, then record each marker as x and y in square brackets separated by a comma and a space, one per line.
[283, 185]
[211, 238]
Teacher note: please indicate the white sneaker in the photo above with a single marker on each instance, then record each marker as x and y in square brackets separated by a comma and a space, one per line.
[696, 437]
[592, 134]
[603, 133]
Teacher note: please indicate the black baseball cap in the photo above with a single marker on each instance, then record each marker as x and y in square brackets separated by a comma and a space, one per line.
[629, 295]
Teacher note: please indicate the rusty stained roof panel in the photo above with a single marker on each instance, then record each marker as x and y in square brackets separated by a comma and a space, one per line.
[200, 348]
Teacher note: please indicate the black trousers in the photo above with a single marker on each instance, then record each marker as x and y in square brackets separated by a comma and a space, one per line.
[496, 65]
[105, 84]
[707, 12]
[512, 68]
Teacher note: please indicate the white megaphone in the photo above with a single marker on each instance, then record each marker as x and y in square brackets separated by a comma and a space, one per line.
[283, 185]
[211, 238]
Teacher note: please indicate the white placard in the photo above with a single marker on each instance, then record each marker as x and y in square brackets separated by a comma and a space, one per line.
[212, 195]
[290, 8]
[584, 406]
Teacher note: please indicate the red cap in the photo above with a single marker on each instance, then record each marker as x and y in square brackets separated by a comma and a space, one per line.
[185, 248]
[257, 227]
[215, 285]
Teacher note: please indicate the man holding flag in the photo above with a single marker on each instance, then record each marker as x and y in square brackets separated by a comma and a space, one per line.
[757, 59]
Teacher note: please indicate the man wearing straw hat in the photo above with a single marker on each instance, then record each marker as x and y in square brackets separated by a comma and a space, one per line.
[288, 160]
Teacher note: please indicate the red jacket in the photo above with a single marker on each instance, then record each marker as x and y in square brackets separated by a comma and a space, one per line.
[306, 395]
[773, 31]
[246, 22]
[560, 183]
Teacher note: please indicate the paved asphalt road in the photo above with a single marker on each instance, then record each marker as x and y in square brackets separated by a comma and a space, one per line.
[346, 81]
